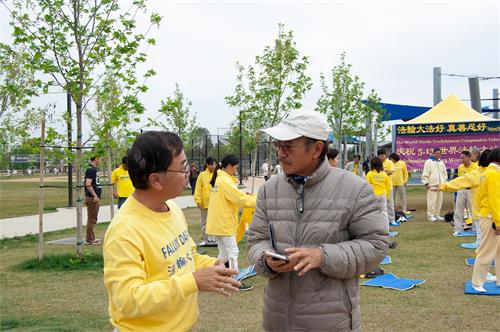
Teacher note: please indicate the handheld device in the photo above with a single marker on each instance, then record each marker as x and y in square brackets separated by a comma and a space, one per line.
[276, 256]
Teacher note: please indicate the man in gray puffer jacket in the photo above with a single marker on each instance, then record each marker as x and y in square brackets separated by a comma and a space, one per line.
[326, 220]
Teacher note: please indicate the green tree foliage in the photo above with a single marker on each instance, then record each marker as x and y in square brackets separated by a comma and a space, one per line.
[75, 43]
[178, 117]
[267, 91]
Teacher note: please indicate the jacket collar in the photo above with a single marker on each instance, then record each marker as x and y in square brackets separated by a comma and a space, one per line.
[318, 175]
[222, 173]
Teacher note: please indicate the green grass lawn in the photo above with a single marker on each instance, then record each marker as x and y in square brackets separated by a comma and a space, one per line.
[21, 198]
[76, 300]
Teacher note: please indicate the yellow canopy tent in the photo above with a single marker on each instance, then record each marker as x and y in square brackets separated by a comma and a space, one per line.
[451, 109]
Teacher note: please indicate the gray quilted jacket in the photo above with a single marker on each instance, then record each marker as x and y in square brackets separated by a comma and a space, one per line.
[342, 216]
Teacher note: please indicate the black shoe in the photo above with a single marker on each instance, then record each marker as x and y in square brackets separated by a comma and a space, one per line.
[244, 288]
[393, 245]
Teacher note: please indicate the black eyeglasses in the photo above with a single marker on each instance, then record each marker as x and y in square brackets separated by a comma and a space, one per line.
[185, 171]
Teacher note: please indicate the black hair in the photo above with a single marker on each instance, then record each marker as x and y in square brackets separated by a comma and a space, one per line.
[494, 156]
[376, 164]
[436, 150]
[210, 161]
[230, 159]
[125, 160]
[152, 152]
[332, 154]
[93, 158]
[357, 155]
[381, 152]
[394, 156]
[483, 158]
[466, 153]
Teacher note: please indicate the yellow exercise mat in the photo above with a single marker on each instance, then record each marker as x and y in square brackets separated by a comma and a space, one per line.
[246, 218]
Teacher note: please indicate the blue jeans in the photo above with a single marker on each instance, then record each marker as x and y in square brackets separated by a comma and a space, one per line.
[121, 200]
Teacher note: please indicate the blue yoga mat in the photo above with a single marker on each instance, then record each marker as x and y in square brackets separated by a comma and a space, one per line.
[491, 288]
[468, 245]
[465, 234]
[387, 260]
[395, 224]
[471, 260]
[393, 233]
[246, 273]
[390, 281]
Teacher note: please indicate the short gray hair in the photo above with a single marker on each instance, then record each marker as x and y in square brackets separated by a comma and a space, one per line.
[475, 150]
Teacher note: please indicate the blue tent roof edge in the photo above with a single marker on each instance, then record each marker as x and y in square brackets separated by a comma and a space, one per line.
[406, 112]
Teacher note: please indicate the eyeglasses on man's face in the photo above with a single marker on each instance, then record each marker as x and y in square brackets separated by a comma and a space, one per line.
[288, 147]
[185, 170]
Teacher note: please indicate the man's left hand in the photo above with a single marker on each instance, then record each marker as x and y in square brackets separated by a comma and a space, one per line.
[307, 258]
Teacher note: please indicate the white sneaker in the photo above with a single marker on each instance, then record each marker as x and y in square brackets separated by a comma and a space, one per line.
[455, 234]
[491, 277]
[439, 218]
[432, 219]
[479, 288]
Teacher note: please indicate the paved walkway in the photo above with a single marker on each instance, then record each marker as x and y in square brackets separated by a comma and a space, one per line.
[66, 217]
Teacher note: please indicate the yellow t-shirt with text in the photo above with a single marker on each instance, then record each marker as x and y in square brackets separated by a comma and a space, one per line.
[380, 183]
[149, 260]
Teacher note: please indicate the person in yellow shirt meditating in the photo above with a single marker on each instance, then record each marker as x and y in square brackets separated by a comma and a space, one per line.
[380, 182]
[122, 186]
[152, 272]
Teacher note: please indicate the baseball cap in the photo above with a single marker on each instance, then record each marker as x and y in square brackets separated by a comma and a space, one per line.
[300, 123]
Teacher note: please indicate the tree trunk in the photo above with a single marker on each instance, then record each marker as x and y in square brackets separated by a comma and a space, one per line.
[78, 171]
[40, 197]
[110, 185]
[269, 156]
[369, 131]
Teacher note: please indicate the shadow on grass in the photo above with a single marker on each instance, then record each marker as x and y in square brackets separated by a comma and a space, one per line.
[63, 262]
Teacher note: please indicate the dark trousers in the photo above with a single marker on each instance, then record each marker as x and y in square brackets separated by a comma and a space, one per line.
[121, 200]
[92, 212]
[192, 182]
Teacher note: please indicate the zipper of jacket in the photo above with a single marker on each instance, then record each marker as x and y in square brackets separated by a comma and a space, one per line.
[349, 304]
[293, 274]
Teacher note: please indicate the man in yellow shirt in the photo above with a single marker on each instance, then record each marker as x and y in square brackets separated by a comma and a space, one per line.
[201, 198]
[389, 169]
[152, 272]
[464, 195]
[122, 186]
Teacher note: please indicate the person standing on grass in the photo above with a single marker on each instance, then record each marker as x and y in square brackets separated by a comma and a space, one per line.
[92, 197]
[434, 174]
[326, 220]
[202, 196]
[265, 170]
[464, 196]
[152, 272]
[399, 180]
[225, 201]
[380, 182]
[193, 176]
[488, 200]
[122, 186]
[470, 180]
[389, 169]
[355, 166]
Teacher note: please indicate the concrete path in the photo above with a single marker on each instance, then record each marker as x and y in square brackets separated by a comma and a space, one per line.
[62, 219]
[66, 217]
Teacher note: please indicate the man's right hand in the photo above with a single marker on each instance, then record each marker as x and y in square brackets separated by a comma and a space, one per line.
[115, 195]
[279, 265]
[217, 279]
[96, 199]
